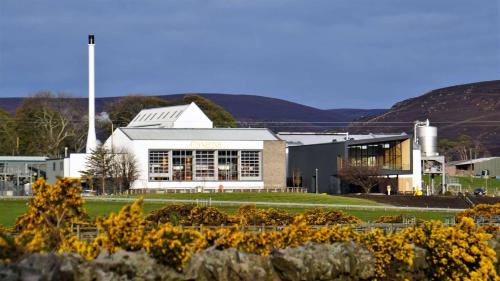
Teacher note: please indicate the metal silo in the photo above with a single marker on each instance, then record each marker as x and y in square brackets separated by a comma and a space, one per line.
[427, 138]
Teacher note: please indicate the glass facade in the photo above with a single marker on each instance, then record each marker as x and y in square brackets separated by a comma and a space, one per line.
[392, 155]
[204, 165]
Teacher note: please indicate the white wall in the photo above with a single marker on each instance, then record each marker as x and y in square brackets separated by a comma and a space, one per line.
[193, 117]
[417, 170]
[140, 149]
[75, 164]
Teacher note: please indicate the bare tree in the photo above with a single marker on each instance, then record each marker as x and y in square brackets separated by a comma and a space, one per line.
[55, 127]
[124, 170]
[46, 123]
[366, 177]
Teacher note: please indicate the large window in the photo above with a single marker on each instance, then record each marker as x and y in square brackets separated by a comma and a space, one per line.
[205, 165]
[182, 165]
[250, 164]
[386, 155]
[159, 165]
[228, 165]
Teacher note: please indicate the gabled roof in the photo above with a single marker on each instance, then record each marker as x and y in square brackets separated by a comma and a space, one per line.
[208, 134]
[158, 117]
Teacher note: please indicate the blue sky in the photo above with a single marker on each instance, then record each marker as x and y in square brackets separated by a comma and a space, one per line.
[323, 53]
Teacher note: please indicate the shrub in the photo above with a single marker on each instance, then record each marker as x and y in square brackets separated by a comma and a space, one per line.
[260, 243]
[321, 216]
[459, 252]
[8, 249]
[186, 214]
[334, 234]
[125, 230]
[50, 214]
[172, 245]
[207, 216]
[171, 213]
[481, 211]
[86, 249]
[297, 233]
[250, 215]
[392, 251]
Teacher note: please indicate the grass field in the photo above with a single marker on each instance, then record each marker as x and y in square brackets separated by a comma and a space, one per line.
[11, 209]
[265, 197]
[471, 183]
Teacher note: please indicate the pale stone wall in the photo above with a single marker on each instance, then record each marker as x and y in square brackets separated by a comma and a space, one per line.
[274, 164]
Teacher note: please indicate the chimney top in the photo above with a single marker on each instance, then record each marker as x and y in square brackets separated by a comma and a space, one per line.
[91, 39]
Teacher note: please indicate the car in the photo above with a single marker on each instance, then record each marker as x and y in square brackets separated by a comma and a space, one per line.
[479, 192]
[87, 192]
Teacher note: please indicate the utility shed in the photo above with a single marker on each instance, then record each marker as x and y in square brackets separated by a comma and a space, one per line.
[475, 167]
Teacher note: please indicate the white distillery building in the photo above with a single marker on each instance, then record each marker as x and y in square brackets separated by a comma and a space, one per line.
[177, 149]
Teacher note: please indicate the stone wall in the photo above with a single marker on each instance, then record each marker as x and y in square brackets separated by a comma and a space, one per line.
[274, 164]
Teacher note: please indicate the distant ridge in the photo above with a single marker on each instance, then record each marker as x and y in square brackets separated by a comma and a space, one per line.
[253, 109]
[456, 110]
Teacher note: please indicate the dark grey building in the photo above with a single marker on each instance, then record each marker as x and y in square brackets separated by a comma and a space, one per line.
[319, 164]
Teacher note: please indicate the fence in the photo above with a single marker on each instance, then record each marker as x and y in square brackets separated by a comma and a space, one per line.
[89, 232]
[216, 190]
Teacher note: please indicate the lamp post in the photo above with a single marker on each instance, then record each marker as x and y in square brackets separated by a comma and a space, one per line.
[316, 181]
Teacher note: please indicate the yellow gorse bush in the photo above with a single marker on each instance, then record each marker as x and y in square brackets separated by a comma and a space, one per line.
[459, 252]
[50, 213]
[485, 211]
[172, 245]
[123, 231]
[7, 247]
[389, 249]
[319, 216]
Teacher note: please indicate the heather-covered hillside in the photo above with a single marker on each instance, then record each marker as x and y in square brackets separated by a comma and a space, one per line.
[471, 109]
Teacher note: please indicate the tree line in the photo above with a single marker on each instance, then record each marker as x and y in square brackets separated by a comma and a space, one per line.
[46, 123]
[463, 147]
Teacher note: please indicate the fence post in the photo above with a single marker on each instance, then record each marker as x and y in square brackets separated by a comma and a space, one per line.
[78, 231]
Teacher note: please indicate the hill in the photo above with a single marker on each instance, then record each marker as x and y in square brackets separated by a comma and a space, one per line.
[256, 111]
[471, 109]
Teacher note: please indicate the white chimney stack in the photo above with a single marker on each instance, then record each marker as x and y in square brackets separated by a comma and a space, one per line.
[91, 136]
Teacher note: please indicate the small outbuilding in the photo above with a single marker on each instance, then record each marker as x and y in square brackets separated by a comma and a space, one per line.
[489, 166]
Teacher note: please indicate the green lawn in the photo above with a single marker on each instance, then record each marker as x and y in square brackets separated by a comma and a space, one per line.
[11, 209]
[266, 197]
[471, 183]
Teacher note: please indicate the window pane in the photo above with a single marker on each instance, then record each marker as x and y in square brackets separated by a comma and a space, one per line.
[182, 165]
[205, 165]
[228, 165]
[158, 165]
[250, 164]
